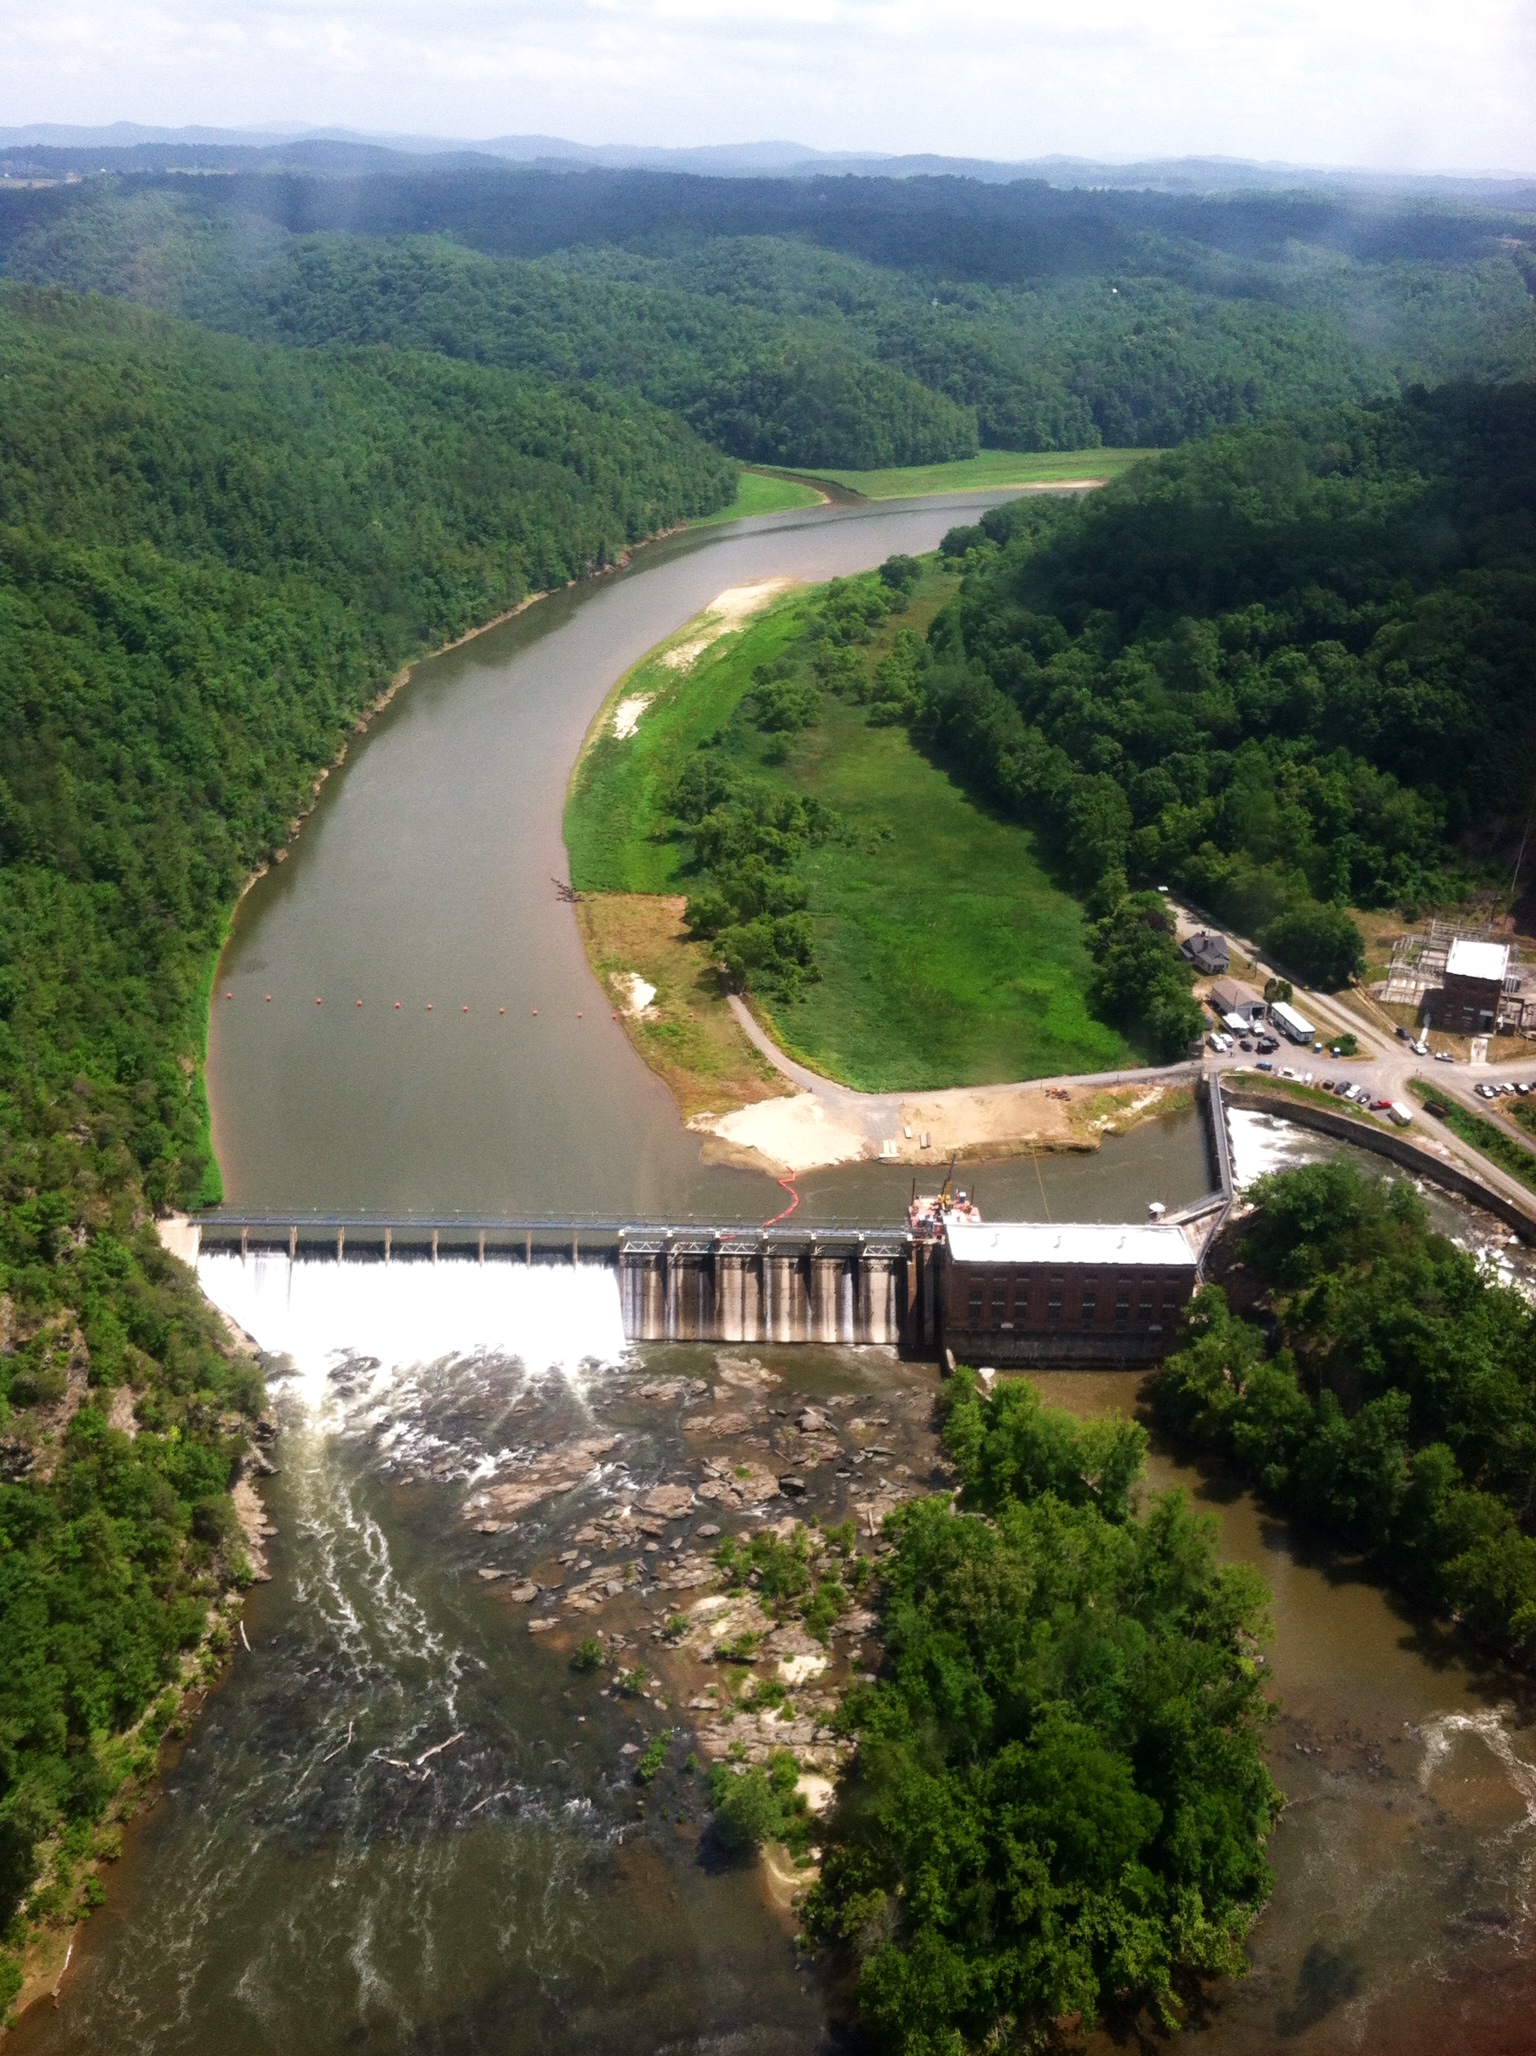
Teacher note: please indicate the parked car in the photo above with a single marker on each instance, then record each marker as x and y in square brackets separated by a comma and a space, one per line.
[1380, 1106]
[1263, 1065]
[1246, 1043]
[1443, 1056]
[1268, 1043]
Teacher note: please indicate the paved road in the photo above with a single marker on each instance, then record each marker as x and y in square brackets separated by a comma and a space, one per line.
[1386, 1066]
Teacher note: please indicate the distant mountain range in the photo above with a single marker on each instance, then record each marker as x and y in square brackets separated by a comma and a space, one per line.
[126, 145]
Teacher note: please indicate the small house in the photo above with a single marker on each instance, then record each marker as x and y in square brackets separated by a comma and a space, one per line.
[1208, 953]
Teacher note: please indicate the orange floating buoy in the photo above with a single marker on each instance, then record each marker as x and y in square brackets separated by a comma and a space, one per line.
[229, 995]
[501, 1010]
[397, 1006]
[615, 1017]
[579, 1014]
[359, 1002]
[463, 1010]
[269, 999]
[535, 1013]
[429, 1006]
[319, 1002]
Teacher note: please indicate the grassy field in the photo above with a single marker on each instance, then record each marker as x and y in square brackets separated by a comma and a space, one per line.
[948, 956]
[1497, 1144]
[758, 493]
[992, 468]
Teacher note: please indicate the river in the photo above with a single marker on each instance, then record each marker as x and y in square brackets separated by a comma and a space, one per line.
[426, 875]
[314, 1878]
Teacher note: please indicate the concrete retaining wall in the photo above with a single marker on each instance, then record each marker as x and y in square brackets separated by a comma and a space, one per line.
[1385, 1142]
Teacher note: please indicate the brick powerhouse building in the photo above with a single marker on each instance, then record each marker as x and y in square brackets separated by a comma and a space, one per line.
[1088, 1292]
[1469, 1001]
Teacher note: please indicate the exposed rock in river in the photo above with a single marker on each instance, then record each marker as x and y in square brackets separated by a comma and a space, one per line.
[555, 1470]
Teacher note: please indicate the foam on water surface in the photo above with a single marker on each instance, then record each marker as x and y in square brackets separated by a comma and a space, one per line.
[404, 1314]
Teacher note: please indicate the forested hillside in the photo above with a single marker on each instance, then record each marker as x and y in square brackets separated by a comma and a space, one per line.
[1287, 670]
[212, 557]
[766, 389]
[1135, 361]
[845, 323]
[1059, 1804]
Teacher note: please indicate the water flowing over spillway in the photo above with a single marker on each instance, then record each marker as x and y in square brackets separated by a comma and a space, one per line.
[408, 1313]
[392, 1831]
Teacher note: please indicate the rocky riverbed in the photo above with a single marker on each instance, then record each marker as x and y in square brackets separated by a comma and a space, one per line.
[614, 1536]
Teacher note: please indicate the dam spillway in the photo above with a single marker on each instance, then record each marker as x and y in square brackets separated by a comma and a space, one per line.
[677, 1283]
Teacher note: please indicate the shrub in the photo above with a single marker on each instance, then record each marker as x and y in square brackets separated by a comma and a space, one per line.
[652, 1760]
[759, 1804]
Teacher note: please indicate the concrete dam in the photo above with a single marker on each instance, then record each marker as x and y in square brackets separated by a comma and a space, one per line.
[677, 1283]
[1080, 1292]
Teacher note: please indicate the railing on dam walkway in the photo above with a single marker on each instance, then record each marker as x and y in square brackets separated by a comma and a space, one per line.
[695, 1281]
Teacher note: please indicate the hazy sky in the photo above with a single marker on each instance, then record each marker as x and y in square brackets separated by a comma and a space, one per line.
[1403, 83]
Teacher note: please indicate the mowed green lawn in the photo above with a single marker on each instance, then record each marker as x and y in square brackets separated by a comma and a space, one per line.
[991, 469]
[948, 956]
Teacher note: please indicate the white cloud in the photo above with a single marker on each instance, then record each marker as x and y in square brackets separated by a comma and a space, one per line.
[1412, 83]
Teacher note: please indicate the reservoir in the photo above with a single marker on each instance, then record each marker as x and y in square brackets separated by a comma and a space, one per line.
[428, 872]
[403, 1825]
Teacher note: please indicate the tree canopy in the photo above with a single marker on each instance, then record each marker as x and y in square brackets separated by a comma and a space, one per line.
[1288, 669]
[1059, 1802]
[1396, 1404]
[843, 322]
[212, 558]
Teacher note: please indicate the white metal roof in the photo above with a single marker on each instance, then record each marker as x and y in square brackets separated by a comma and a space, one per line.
[1288, 1017]
[1468, 959]
[1144, 1244]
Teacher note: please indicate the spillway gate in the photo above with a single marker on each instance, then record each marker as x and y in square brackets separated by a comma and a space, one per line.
[677, 1283]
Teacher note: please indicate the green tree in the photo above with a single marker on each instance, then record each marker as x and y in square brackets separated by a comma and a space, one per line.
[1400, 1410]
[1059, 1796]
[1141, 979]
